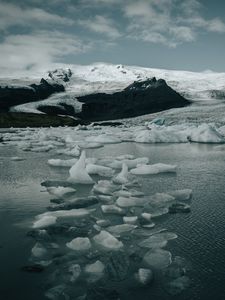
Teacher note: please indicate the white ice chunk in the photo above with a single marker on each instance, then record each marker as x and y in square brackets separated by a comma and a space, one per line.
[153, 169]
[112, 209]
[78, 172]
[131, 201]
[104, 139]
[158, 259]
[121, 228]
[38, 250]
[99, 170]
[79, 244]
[94, 271]
[130, 220]
[181, 195]
[206, 133]
[60, 191]
[131, 163]
[107, 241]
[49, 218]
[62, 162]
[122, 177]
[144, 276]
[104, 187]
[45, 221]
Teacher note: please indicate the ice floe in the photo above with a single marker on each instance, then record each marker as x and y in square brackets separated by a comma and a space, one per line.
[79, 244]
[107, 241]
[153, 169]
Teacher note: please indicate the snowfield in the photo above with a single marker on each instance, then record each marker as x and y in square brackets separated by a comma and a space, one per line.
[102, 77]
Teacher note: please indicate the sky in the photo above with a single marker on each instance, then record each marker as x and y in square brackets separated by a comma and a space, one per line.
[168, 34]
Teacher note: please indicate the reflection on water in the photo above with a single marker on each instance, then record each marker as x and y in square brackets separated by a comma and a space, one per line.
[200, 233]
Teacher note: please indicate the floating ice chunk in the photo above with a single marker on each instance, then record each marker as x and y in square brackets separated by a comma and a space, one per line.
[177, 285]
[96, 267]
[130, 193]
[57, 292]
[76, 271]
[80, 212]
[121, 228]
[70, 152]
[158, 259]
[79, 244]
[181, 195]
[162, 134]
[62, 162]
[206, 133]
[90, 145]
[132, 201]
[45, 221]
[99, 170]
[103, 223]
[105, 199]
[49, 218]
[105, 187]
[158, 240]
[112, 209]
[78, 173]
[161, 200]
[38, 250]
[60, 191]
[122, 177]
[130, 220]
[95, 271]
[144, 276]
[146, 216]
[131, 163]
[104, 139]
[153, 169]
[16, 158]
[42, 148]
[107, 241]
[125, 156]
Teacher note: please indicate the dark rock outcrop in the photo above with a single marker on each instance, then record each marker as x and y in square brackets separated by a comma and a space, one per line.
[15, 95]
[139, 98]
[35, 120]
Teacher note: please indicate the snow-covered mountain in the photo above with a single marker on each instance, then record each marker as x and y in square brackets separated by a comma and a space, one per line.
[80, 80]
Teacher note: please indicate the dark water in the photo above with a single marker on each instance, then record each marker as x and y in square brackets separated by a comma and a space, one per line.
[201, 234]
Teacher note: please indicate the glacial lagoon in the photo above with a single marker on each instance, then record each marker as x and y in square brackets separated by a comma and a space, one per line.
[199, 245]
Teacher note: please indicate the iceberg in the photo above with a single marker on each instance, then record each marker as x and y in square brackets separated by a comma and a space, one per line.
[153, 169]
[78, 172]
[130, 220]
[206, 133]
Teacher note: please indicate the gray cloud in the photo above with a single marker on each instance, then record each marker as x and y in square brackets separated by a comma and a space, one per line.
[38, 49]
[102, 25]
[12, 15]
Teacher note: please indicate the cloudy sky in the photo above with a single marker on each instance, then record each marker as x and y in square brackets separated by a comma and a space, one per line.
[171, 34]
